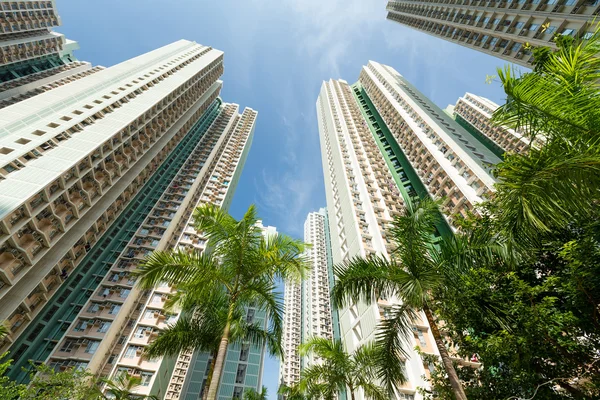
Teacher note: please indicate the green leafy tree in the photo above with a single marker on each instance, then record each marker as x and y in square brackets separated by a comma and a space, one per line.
[546, 209]
[251, 394]
[3, 329]
[9, 389]
[122, 387]
[343, 372]
[419, 267]
[74, 384]
[241, 264]
[558, 183]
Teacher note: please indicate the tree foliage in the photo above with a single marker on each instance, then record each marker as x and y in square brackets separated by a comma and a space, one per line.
[545, 341]
[214, 287]
[339, 371]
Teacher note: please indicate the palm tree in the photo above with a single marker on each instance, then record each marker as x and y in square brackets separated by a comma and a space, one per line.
[241, 266]
[291, 392]
[251, 394]
[419, 267]
[201, 326]
[555, 184]
[122, 388]
[340, 371]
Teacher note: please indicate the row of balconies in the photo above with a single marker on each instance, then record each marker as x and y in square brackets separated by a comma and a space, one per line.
[120, 265]
[54, 279]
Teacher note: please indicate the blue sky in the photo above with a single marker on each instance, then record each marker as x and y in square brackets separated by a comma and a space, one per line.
[277, 53]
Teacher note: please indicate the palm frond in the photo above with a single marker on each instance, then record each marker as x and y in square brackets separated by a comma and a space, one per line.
[259, 336]
[188, 333]
[541, 191]
[374, 392]
[286, 256]
[362, 279]
[214, 222]
[175, 267]
[393, 335]
[263, 295]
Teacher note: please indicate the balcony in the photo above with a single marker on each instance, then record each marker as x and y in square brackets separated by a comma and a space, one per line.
[16, 217]
[64, 212]
[79, 199]
[11, 263]
[102, 178]
[129, 153]
[112, 170]
[50, 227]
[30, 241]
[35, 299]
[89, 186]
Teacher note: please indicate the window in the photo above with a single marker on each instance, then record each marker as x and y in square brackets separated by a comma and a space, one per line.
[241, 373]
[114, 309]
[244, 352]
[146, 378]
[92, 347]
[587, 35]
[421, 338]
[237, 392]
[103, 327]
[80, 326]
[68, 346]
[250, 316]
[131, 352]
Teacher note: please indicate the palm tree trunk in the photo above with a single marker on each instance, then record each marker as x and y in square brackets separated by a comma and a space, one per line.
[457, 388]
[351, 390]
[213, 389]
[210, 374]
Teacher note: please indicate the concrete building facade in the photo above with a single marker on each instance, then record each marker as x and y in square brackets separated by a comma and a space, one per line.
[95, 174]
[383, 143]
[474, 113]
[31, 54]
[316, 289]
[308, 309]
[505, 29]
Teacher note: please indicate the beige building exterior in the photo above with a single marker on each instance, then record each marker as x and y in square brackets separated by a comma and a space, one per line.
[474, 113]
[94, 175]
[497, 27]
[31, 54]
[383, 143]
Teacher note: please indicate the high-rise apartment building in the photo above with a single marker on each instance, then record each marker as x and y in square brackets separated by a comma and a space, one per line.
[94, 175]
[501, 28]
[308, 309]
[32, 56]
[244, 362]
[289, 367]
[382, 144]
[474, 113]
[316, 304]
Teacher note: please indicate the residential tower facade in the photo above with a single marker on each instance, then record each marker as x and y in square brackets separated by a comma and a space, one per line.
[383, 143]
[96, 174]
[505, 29]
[31, 54]
[474, 113]
[308, 309]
